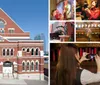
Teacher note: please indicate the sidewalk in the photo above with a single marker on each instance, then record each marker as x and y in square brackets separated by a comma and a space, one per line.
[12, 82]
[36, 82]
[22, 82]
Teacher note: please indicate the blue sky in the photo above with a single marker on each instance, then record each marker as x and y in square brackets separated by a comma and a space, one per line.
[30, 15]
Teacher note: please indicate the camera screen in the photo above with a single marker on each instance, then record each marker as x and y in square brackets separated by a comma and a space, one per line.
[90, 56]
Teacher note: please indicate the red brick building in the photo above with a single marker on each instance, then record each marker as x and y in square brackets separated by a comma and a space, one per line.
[20, 57]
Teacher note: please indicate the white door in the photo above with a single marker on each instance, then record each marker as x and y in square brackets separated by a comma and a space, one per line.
[7, 67]
[7, 70]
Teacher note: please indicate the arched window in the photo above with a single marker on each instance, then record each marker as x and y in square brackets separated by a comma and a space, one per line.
[11, 51]
[7, 51]
[23, 66]
[28, 50]
[28, 66]
[37, 51]
[32, 51]
[32, 66]
[4, 52]
[11, 30]
[37, 66]
[23, 49]
[2, 24]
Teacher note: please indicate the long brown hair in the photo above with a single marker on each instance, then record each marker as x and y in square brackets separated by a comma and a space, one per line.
[67, 64]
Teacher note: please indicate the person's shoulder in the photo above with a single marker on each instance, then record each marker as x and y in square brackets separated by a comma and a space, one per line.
[80, 69]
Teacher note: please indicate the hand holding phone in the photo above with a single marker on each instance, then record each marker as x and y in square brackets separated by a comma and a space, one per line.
[90, 56]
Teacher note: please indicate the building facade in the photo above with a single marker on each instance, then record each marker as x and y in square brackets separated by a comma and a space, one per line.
[20, 57]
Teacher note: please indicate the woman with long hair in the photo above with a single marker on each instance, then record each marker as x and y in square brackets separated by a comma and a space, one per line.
[68, 70]
[93, 13]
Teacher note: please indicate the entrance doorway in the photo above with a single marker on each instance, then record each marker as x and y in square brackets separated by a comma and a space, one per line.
[8, 69]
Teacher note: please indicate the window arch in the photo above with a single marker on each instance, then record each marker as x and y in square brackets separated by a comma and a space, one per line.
[37, 51]
[28, 50]
[32, 51]
[2, 23]
[23, 66]
[23, 49]
[28, 65]
[12, 52]
[37, 65]
[4, 52]
[7, 51]
[32, 66]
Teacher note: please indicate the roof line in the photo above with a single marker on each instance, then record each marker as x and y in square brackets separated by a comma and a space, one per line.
[12, 19]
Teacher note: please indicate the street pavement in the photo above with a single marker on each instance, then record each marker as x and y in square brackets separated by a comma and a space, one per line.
[36, 82]
[22, 82]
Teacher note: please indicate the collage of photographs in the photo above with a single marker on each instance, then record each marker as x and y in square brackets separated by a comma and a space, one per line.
[74, 30]
[49, 42]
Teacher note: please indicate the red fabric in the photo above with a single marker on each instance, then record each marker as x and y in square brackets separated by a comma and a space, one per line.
[81, 52]
[95, 50]
[94, 14]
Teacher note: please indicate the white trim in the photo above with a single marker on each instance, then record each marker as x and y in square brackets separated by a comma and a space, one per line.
[21, 44]
[28, 61]
[37, 70]
[14, 63]
[23, 61]
[1, 63]
[23, 71]
[32, 71]
[24, 57]
[5, 23]
[28, 71]
[11, 19]
[11, 28]
[16, 37]
[34, 64]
